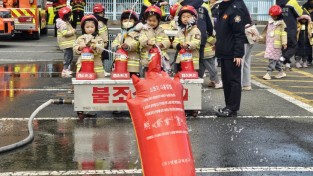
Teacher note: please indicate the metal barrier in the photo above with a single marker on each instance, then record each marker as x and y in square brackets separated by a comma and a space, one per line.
[114, 8]
[259, 8]
[108, 62]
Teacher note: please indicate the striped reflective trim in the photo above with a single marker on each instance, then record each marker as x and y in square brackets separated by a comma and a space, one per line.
[131, 62]
[116, 42]
[64, 32]
[23, 12]
[294, 4]
[70, 42]
[210, 39]
[277, 42]
[98, 69]
[120, 59]
[78, 9]
[102, 29]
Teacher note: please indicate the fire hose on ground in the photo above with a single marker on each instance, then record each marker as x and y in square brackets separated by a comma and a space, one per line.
[30, 136]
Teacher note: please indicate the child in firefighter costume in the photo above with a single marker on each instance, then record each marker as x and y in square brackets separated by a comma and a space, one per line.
[189, 36]
[90, 38]
[152, 35]
[128, 40]
[66, 38]
[99, 12]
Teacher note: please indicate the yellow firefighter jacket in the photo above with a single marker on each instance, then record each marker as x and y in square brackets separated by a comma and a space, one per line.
[159, 37]
[84, 39]
[193, 38]
[209, 50]
[66, 34]
[131, 39]
[103, 32]
[280, 35]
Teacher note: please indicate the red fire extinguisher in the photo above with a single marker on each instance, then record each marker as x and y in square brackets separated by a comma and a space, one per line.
[120, 65]
[87, 65]
[154, 60]
[186, 63]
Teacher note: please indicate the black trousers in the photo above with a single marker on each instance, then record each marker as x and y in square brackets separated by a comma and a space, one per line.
[231, 77]
[292, 43]
[56, 16]
[77, 15]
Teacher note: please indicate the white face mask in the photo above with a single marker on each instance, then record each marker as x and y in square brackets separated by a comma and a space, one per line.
[127, 25]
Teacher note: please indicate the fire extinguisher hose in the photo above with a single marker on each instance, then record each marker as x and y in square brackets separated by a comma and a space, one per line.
[30, 136]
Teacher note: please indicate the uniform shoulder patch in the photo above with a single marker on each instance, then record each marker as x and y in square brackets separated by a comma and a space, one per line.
[237, 19]
[225, 16]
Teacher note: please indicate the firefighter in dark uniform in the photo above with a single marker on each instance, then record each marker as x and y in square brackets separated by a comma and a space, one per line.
[160, 3]
[308, 9]
[291, 11]
[205, 26]
[78, 11]
[57, 5]
[230, 39]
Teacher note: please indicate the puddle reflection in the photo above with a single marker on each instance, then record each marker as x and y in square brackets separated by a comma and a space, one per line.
[64, 145]
[14, 77]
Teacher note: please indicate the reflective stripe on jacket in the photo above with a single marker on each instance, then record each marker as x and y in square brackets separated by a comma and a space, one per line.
[131, 39]
[66, 35]
[98, 65]
[193, 38]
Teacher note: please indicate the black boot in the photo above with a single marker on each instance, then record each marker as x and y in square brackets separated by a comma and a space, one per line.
[225, 112]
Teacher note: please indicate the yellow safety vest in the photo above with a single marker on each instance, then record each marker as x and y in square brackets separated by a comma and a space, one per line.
[147, 4]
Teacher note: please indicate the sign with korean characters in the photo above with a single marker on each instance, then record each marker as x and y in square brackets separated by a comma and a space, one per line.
[159, 120]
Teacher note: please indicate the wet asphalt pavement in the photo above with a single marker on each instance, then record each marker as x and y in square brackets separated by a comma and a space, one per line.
[271, 131]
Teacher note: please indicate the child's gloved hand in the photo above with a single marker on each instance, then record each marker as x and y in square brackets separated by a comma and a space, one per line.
[125, 46]
[93, 46]
[184, 45]
[81, 46]
[160, 45]
[151, 42]
[88, 38]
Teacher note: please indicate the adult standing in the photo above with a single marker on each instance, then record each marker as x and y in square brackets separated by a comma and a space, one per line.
[230, 36]
[78, 10]
[246, 65]
[291, 11]
[308, 8]
[214, 4]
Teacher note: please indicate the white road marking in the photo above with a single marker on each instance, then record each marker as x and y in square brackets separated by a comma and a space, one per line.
[28, 51]
[30, 72]
[29, 60]
[31, 90]
[139, 171]
[284, 96]
[128, 118]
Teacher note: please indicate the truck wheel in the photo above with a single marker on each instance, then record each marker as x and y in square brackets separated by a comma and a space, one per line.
[36, 35]
[44, 31]
[80, 115]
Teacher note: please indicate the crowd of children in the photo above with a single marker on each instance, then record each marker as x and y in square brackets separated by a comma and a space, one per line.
[138, 38]
[135, 37]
